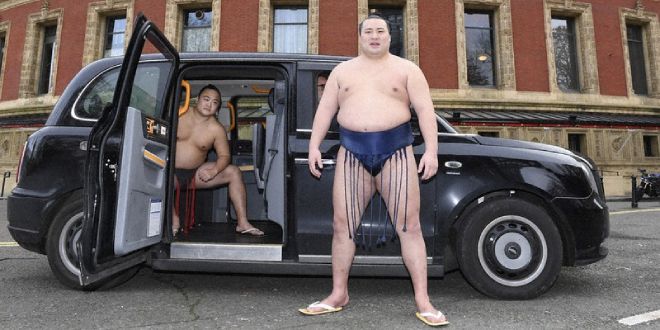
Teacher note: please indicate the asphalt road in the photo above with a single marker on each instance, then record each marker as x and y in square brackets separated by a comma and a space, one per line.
[625, 284]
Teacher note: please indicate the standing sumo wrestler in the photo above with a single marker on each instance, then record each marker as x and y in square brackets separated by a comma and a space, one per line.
[371, 96]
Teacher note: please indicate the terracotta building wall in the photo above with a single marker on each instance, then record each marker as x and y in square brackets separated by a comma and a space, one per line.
[529, 46]
[239, 25]
[338, 28]
[437, 42]
[609, 46]
[14, 48]
[338, 36]
[653, 6]
[153, 9]
[71, 41]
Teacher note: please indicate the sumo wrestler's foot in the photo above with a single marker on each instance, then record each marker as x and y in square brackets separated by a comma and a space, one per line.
[251, 231]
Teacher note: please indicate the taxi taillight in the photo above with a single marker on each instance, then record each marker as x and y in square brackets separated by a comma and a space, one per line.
[20, 163]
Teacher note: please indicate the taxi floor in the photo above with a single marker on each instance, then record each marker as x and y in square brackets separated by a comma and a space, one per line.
[226, 233]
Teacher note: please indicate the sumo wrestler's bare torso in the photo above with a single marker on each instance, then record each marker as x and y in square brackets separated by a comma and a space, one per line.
[378, 91]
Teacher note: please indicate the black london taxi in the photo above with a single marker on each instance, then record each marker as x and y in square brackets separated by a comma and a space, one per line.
[95, 189]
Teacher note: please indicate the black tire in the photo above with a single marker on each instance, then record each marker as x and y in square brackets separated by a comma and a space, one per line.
[63, 259]
[509, 248]
[63, 234]
[639, 193]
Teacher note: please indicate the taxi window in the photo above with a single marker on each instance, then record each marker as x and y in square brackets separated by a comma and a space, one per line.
[251, 110]
[99, 93]
[147, 93]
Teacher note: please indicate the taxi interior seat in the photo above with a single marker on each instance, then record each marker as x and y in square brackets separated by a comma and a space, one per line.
[258, 142]
[259, 151]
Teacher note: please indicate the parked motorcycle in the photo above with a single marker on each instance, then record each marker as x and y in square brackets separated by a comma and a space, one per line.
[649, 185]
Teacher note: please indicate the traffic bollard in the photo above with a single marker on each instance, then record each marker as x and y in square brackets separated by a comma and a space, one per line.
[633, 181]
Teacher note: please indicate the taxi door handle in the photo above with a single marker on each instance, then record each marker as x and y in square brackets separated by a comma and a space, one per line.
[324, 161]
[153, 158]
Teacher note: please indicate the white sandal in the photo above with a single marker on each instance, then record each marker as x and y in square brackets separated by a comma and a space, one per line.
[437, 314]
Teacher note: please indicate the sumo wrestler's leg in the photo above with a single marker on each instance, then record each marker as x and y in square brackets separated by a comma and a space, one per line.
[233, 177]
[398, 184]
[352, 189]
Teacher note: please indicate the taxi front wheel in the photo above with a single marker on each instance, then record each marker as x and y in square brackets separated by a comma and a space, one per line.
[509, 248]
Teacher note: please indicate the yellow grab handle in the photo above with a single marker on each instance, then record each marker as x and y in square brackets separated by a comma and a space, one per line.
[186, 85]
[232, 114]
[153, 158]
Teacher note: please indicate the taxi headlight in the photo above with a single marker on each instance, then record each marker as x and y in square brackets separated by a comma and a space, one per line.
[586, 168]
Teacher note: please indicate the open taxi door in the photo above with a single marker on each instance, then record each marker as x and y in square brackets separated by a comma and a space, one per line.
[128, 161]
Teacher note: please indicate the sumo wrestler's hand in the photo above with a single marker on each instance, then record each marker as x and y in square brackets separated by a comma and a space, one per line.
[428, 165]
[315, 162]
[206, 173]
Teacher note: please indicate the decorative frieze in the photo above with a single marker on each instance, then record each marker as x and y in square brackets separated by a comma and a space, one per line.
[11, 144]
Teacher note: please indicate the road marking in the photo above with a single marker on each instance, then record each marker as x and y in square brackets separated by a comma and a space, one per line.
[8, 244]
[641, 318]
[634, 211]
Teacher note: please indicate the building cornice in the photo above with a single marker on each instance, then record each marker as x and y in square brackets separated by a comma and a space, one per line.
[28, 106]
[486, 99]
[4, 5]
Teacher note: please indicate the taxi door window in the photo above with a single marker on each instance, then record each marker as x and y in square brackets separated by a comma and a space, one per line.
[147, 92]
[99, 94]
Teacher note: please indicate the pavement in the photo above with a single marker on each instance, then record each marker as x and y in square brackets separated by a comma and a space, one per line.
[602, 295]
[621, 203]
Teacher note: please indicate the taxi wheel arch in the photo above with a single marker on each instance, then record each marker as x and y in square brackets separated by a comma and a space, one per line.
[509, 248]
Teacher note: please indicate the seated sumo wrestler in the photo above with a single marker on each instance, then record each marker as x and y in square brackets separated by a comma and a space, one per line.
[199, 131]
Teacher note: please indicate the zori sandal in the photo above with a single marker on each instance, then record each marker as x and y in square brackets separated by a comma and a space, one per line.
[424, 317]
[324, 309]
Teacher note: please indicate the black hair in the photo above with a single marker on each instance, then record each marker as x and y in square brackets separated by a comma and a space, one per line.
[374, 16]
[211, 87]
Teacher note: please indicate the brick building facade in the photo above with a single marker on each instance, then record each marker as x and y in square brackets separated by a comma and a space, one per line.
[579, 74]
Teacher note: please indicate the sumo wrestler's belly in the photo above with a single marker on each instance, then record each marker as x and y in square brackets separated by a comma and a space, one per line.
[372, 115]
[189, 157]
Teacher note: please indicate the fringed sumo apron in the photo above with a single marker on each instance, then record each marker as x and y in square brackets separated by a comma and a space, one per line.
[367, 153]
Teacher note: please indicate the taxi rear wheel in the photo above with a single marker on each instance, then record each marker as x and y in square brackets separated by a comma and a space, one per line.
[63, 258]
[509, 248]
[63, 235]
